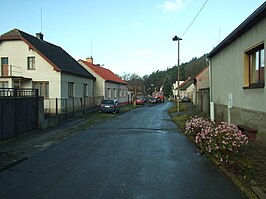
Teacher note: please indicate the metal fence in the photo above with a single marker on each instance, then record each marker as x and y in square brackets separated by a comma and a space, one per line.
[70, 106]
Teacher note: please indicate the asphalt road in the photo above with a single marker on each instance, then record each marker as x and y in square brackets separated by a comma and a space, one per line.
[139, 154]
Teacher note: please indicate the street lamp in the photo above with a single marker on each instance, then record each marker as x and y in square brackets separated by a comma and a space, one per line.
[175, 38]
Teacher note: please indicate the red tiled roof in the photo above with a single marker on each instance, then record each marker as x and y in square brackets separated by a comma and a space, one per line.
[104, 73]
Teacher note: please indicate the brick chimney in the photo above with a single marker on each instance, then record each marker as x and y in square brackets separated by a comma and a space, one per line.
[89, 59]
[39, 36]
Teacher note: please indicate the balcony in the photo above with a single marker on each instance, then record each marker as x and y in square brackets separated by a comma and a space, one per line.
[10, 70]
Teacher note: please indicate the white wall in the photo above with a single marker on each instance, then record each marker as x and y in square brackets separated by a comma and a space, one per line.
[228, 72]
[17, 53]
[78, 85]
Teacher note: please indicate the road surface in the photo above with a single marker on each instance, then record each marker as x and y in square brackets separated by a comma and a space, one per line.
[139, 154]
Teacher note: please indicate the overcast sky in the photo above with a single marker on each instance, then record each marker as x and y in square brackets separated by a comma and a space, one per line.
[129, 36]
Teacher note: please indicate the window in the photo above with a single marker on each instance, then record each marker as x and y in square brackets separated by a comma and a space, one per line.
[109, 93]
[70, 89]
[85, 88]
[114, 92]
[43, 88]
[256, 63]
[16, 84]
[3, 92]
[120, 92]
[31, 63]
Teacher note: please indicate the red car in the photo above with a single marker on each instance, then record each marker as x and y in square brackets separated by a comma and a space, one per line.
[140, 101]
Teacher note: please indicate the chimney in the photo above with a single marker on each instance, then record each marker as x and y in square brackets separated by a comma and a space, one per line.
[89, 59]
[39, 36]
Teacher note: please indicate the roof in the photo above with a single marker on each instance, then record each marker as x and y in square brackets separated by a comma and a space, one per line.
[104, 73]
[207, 67]
[253, 19]
[55, 55]
[186, 84]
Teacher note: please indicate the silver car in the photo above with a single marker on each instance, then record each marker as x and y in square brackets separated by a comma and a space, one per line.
[109, 105]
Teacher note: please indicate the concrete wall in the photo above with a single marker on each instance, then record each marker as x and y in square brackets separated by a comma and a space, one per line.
[228, 77]
[78, 85]
[250, 118]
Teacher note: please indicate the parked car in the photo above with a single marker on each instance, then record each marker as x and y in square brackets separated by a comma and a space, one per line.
[185, 99]
[140, 101]
[153, 100]
[109, 106]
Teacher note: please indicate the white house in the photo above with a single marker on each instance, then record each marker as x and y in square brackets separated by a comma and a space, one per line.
[107, 84]
[32, 62]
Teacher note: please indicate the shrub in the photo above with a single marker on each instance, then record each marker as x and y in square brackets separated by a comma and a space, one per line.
[196, 124]
[220, 142]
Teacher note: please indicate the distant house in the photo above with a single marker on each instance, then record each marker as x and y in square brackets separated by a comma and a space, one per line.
[202, 90]
[175, 89]
[107, 84]
[32, 62]
[187, 89]
[237, 67]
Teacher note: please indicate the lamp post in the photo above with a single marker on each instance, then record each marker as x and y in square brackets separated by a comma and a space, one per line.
[175, 38]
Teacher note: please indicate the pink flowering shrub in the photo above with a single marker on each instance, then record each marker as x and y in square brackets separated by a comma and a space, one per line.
[219, 142]
[196, 124]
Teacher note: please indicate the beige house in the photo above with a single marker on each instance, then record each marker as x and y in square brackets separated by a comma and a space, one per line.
[107, 84]
[202, 90]
[237, 68]
[187, 89]
[31, 62]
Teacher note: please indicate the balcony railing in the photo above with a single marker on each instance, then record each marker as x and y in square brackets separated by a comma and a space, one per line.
[10, 70]
[18, 92]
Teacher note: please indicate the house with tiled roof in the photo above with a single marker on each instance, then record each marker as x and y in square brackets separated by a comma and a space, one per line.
[202, 90]
[187, 89]
[107, 84]
[31, 62]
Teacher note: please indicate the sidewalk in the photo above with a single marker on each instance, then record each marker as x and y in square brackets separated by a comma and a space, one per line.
[27, 145]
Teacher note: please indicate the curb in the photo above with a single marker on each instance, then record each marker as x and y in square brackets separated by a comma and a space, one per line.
[13, 164]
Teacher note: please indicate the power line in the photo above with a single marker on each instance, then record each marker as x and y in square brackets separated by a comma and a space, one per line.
[195, 17]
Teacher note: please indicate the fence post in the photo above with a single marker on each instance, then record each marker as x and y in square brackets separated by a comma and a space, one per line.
[66, 107]
[73, 108]
[56, 106]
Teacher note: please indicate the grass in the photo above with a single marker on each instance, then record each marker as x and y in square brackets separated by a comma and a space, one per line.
[249, 166]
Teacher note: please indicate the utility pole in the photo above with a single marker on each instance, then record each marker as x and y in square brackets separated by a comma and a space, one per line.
[178, 72]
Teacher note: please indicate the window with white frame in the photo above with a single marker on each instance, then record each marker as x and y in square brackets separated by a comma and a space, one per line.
[114, 92]
[31, 63]
[120, 92]
[109, 93]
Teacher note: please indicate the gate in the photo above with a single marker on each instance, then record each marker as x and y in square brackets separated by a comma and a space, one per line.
[18, 111]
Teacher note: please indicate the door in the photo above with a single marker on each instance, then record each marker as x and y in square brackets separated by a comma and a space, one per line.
[4, 66]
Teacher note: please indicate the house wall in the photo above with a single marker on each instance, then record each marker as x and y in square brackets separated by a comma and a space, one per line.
[78, 85]
[99, 84]
[116, 87]
[249, 106]
[203, 79]
[17, 53]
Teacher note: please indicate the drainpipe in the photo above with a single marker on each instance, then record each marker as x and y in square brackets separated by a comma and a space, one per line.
[210, 83]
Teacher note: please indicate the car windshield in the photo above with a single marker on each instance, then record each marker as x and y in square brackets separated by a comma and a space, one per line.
[108, 102]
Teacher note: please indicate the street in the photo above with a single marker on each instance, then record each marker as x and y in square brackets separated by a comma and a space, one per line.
[138, 154]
